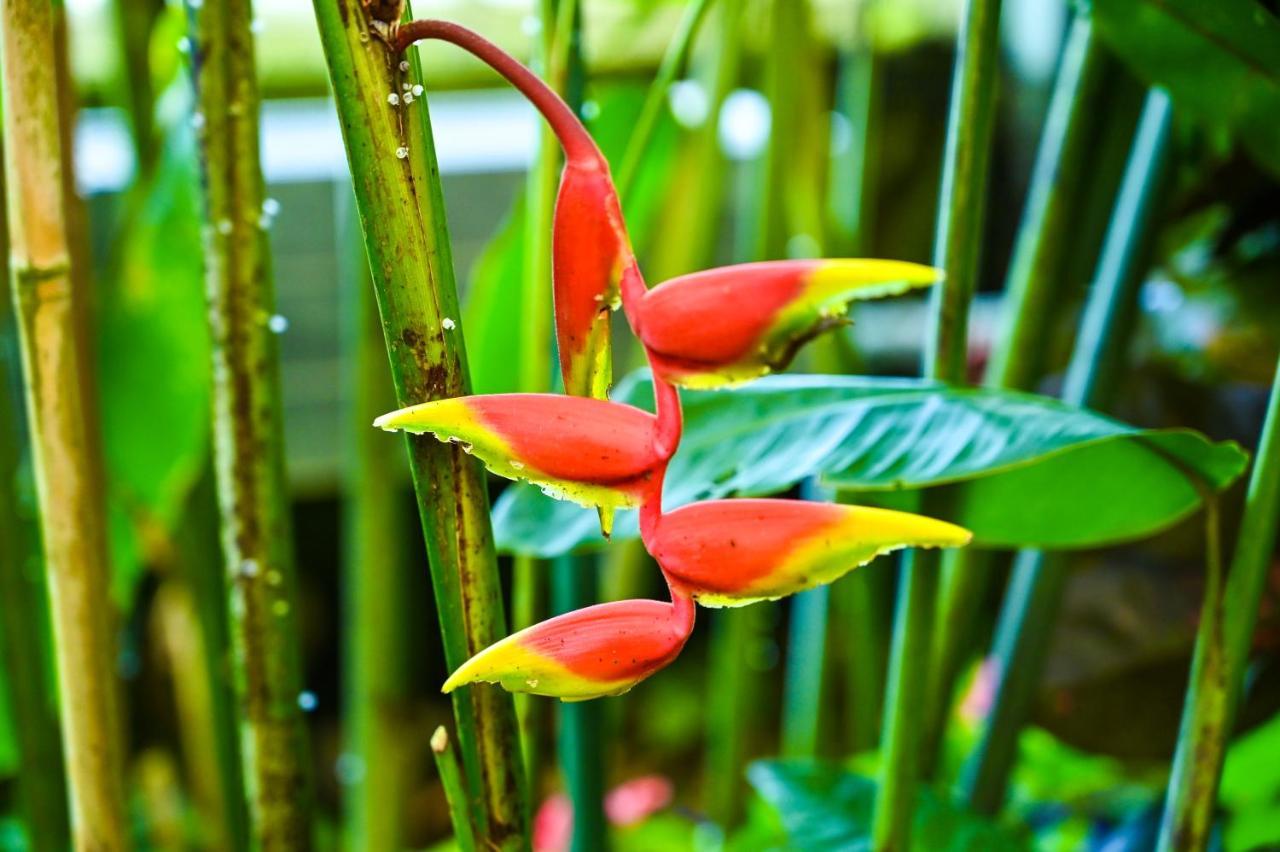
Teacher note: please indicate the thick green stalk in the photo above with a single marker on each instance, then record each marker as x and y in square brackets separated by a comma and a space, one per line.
[1222, 651]
[575, 585]
[376, 653]
[1031, 604]
[248, 431]
[1033, 285]
[393, 166]
[24, 619]
[806, 664]
[860, 632]
[61, 409]
[957, 246]
[673, 61]
[733, 694]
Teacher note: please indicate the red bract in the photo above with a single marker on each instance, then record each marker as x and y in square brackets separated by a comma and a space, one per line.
[735, 552]
[736, 323]
[590, 451]
[601, 650]
[591, 248]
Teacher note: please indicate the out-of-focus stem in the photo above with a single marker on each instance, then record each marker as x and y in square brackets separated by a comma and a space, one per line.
[673, 60]
[1227, 623]
[1031, 605]
[957, 248]
[375, 659]
[1034, 282]
[806, 664]
[455, 790]
[248, 431]
[392, 157]
[61, 416]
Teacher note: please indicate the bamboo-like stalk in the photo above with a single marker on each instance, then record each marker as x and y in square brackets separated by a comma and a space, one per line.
[1031, 604]
[24, 617]
[1034, 281]
[957, 245]
[60, 411]
[575, 585]
[1227, 623]
[134, 20]
[805, 668]
[248, 431]
[376, 652]
[392, 157]
[455, 790]
[673, 61]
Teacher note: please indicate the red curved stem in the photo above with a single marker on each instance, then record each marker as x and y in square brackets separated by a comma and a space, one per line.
[578, 145]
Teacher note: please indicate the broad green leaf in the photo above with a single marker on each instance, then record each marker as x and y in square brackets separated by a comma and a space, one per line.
[1037, 472]
[1220, 61]
[823, 806]
[154, 356]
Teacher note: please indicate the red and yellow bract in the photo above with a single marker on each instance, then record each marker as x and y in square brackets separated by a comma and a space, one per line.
[601, 650]
[736, 552]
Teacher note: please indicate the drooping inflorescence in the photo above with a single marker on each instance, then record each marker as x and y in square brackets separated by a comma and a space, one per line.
[717, 327]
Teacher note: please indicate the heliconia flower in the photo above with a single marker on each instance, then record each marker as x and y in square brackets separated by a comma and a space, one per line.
[736, 323]
[593, 452]
[601, 650]
[591, 249]
[734, 552]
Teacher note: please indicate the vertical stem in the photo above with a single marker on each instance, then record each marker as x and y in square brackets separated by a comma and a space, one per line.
[60, 410]
[248, 432]
[575, 585]
[398, 196]
[1035, 277]
[455, 790]
[806, 663]
[957, 244]
[1030, 608]
[24, 618]
[733, 693]
[134, 20]
[1222, 650]
[673, 60]
[375, 664]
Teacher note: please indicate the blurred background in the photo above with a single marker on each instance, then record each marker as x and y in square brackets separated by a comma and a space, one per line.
[826, 140]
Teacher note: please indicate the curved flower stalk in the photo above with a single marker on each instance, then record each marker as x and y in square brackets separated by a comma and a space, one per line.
[593, 652]
[736, 552]
[736, 323]
[711, 328]
[592, 252]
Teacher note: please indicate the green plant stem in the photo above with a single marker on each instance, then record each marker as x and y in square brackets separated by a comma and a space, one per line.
[1033, 286]
[732, 700]
[970, 126]
[852, 193]
[134, 20]
[806, 664]
[24, 618]
[1227, 624]
[575, 585]
[406, 238]
[455, 790]
[1030, 608]
[61, 413]
[376, 653]
[861, 630]
[673, 61]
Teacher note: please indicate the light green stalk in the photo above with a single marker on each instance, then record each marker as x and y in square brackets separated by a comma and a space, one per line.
[805, 668]
[1034, 282]
[1031, 603]
[393, 166]
[956, 250]
[248, 434]
[61, 413]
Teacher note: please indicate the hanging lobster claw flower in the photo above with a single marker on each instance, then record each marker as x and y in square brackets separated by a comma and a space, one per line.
[591, 253]
[735, 552]
[590, 451]
[589, 653]
[736, 323]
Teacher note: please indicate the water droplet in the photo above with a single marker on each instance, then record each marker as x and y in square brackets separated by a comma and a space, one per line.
[249, 568]
[448, 324]
[271, 207]
[184, 46]
[224, 227]
[515, 465]
[307, 701]
[591, 110]
[393, 99]
[408, 98]
[417, 91]
[532, 683]
[278, 324]
[402, 152]
[404, 65]
[406, 87]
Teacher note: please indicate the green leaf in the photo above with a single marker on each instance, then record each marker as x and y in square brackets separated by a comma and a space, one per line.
[1037, 472]
[153, 360]
[826, 807]
[1220, 61]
